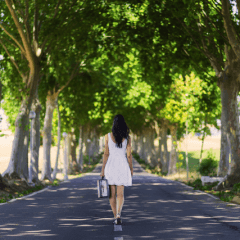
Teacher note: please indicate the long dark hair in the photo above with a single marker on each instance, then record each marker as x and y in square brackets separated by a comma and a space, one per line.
[120, 129]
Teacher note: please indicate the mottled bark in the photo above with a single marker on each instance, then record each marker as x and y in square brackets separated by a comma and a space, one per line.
[75, 167]
[87, 135]
[18, 164]
[47, 135]
[229, 93]
[69, 141]
[151, 152]
[164, 160]
[203, 138]
[24, 162]
[172, 169]
[229, 86]
[148, 150]
[36, 107]
[138, 143]
[18, 160]
[80, 154]
[159, 151]
[223, 166]
[93, 143]
[54, 174]
[134, 144]
[142, 146]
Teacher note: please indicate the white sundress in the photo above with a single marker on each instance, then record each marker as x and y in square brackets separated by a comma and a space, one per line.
[117, 170]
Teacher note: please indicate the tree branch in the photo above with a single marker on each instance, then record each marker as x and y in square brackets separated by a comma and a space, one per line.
[196, 63]
[35, 26]
[35, 31]
[74, 72]
[12, 59]
[218, 60]
[19, 10]
[26, 21]
[231, 33]
[14, 39]
[54, 16]
[184, 26]
[26, 45]
[5, 39]
[56, 9]
[220, 33]
[213, 60]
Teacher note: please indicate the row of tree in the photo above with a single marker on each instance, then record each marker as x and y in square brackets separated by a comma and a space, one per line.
[163, 62]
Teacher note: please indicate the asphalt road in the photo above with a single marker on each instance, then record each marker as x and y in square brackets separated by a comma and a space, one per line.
[154, 208]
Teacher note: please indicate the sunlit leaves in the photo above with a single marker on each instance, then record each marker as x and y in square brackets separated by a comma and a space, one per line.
[139, 95]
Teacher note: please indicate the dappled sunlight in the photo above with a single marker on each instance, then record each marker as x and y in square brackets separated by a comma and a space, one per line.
[146, 237]
[188, 229]
[85, 225]
[30, 199]
[133, 196]
[163, 207]
[66, 224]
[39, 233]
[65, 219]
[7, 229]
[200, 217]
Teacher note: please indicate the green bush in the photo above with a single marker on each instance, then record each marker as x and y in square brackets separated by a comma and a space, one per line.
[236, 188]
[208, 166]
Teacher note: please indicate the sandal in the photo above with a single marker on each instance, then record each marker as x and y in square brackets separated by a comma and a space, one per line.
[118, 221]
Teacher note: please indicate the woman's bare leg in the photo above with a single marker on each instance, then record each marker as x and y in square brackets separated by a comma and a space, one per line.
[120, 199]
[112, 199]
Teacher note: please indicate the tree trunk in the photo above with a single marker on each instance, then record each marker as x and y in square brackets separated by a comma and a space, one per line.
[223, 166]
[229, 92]
[18, 164]
[86, 137]
[47, 135]
[138, 143]
[135, 143]
[203, 138]
[24, 164]
[172, 169]
[80, 155]
[75, 167]
[163, 134]
[147, 143]
[69, 141]
[151, 148]
[142, 147]
[36, 140]
[92, 143]
[159, 152]
[54, 174]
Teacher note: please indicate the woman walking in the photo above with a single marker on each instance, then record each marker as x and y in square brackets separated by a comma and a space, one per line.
[118, 169]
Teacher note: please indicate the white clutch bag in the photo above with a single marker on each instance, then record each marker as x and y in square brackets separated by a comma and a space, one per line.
[103, 188]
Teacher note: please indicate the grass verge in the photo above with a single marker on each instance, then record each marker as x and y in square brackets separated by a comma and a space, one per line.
[13, 189]
[194, 180]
